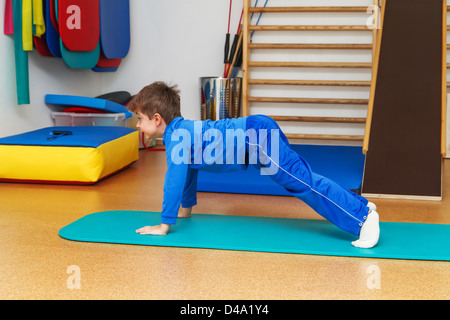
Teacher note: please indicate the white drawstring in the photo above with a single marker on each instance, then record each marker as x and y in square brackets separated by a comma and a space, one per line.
[360, 222]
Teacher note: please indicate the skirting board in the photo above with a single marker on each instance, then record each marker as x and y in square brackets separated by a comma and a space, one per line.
[400, 197]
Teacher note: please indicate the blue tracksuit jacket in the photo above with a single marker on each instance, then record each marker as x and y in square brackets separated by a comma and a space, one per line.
[233, 144]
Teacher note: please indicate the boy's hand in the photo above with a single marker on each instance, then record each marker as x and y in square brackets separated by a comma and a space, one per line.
[159, 230]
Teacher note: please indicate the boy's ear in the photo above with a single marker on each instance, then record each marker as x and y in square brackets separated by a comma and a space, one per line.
[158, 119]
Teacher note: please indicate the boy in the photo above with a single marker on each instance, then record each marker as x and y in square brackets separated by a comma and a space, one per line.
[199, 145]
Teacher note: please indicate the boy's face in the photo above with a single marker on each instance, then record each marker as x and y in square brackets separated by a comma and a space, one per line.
[147, 126]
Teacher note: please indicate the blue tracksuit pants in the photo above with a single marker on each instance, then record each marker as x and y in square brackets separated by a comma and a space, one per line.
[338, 205]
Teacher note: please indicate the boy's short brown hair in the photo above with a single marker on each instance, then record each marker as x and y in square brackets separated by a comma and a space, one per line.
[160, 98]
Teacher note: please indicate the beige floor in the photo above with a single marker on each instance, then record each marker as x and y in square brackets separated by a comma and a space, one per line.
[34, 260]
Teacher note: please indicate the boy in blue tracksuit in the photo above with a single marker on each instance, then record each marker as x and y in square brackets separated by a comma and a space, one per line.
[233, 144]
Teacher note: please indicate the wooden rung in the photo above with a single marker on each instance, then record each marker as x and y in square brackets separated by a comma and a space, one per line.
[307, 28]
[310, 82]
[308, 100]
[310, 46]
[308, 9]
[324, 137]
[319, 119]
[292, 64]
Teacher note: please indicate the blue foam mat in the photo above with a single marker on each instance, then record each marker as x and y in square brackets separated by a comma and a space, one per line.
[342, 164]
[96, 103]
[115, 28]
[412, 241]
[92, 137]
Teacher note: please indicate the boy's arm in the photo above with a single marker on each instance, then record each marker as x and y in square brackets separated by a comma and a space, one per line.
[175, 180]
[189, 198]
[173, 192]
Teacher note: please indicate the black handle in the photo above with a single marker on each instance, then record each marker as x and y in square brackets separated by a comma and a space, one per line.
[233, 48]
[238, 61]
[227, 48]
[56, 134]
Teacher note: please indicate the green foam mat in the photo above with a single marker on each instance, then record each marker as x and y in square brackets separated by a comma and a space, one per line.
[414, 241]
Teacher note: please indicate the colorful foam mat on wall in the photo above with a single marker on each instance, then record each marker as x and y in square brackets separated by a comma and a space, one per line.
[86, 34]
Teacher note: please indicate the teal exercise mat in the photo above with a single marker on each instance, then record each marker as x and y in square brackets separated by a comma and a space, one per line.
[412, 241]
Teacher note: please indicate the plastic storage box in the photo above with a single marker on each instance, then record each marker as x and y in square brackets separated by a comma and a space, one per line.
[68, 119]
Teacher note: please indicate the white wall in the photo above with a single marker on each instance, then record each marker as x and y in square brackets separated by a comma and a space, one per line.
[179, 41]
[176, 41]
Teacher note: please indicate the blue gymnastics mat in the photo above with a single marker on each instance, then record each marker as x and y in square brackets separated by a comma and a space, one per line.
[411, 241]
[96, 103]
[342, 164]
